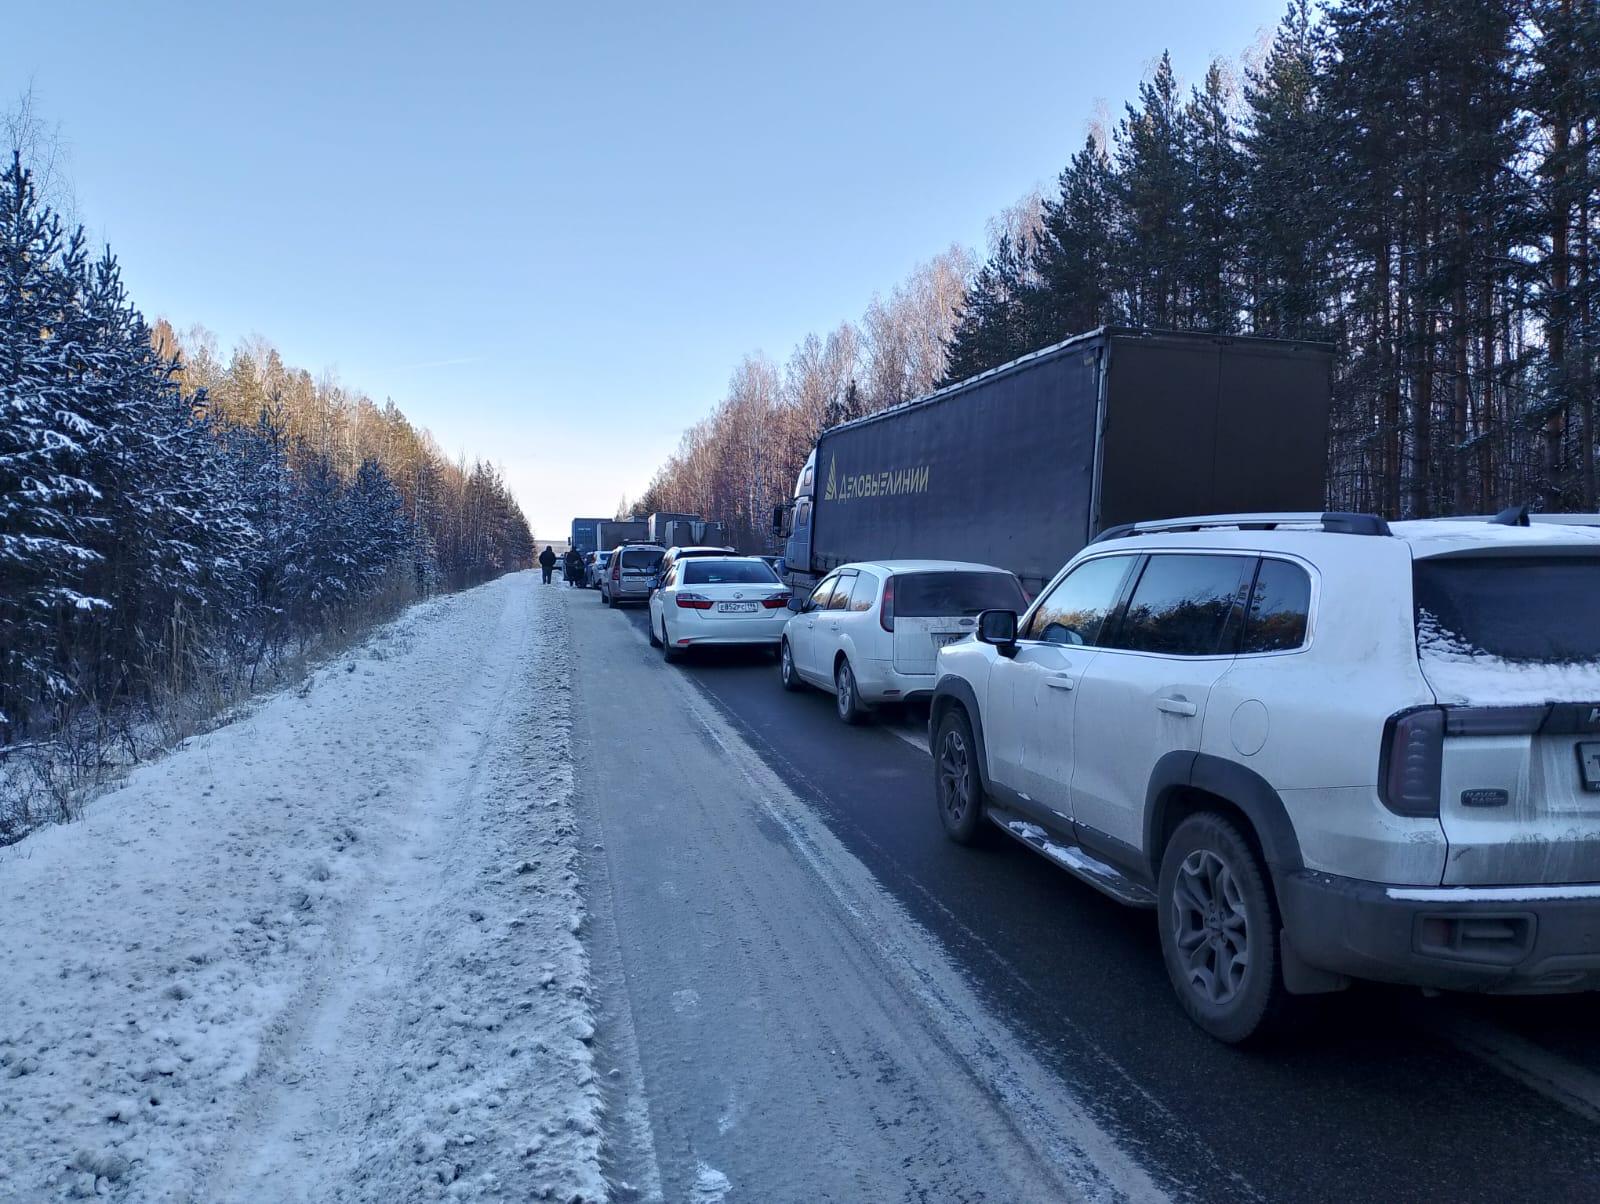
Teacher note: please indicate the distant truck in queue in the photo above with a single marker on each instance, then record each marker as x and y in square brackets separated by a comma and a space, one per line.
[586, 534]
[1023, 465]
[610, 532]
[686, 530]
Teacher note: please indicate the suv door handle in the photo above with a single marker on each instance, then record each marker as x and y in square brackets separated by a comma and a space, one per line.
[1060, 682]
[1175, 706]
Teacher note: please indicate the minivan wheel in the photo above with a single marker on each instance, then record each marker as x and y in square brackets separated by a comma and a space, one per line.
[786, 670]
[845, 695]
[611, 600]
[957, 786]
[1219, 929]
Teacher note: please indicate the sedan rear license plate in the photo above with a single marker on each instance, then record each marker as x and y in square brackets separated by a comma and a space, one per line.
[1589, 763]
[736, 608]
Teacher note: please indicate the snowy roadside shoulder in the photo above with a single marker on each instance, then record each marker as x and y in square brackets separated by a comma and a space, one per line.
[330, 951]
[492, 1093]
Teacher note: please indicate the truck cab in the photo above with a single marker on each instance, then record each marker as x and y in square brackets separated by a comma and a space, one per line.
[791, 524]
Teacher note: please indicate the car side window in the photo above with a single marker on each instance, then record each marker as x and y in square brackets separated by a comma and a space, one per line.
[1182, 605]
[1075, 611]
[1279, 610]
[865, 593]
[824, 591]
[841, 592]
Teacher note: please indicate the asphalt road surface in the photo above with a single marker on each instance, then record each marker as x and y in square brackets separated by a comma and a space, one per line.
[816, 996]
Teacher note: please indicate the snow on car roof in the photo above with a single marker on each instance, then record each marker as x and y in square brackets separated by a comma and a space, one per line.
[1445, 536]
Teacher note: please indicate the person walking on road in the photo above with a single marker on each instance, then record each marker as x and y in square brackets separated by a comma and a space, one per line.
[547, 562]
[572, 567]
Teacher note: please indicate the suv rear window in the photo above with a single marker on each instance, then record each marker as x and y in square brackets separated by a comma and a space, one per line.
[705, 571]
[1539, 610]
[937, 595]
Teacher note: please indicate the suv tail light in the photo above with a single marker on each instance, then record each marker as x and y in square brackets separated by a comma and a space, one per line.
[1411, 762]
[694, 601]
[776, 602]
[886, 611]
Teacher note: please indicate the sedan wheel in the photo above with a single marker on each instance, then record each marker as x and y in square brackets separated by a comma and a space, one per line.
[655, 640]
[668, 653]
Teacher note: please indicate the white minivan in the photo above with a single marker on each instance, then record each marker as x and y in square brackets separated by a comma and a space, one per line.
[871, 632]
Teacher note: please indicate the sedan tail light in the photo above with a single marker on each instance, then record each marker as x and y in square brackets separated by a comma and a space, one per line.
[693, 601]
[776, 602]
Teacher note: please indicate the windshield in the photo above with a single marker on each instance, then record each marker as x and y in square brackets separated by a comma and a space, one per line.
[1534, 610]
[934, 595]
[728, 572]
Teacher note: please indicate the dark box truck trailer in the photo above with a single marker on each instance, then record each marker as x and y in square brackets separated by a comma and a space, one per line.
[612, 532]
[672, 530]
[586, 534]
[1023, 465]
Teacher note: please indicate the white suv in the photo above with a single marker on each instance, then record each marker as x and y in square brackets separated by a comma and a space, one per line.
[1321, 747]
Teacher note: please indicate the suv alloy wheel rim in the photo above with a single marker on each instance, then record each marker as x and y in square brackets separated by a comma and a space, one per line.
[955, 776]
[1210, 927]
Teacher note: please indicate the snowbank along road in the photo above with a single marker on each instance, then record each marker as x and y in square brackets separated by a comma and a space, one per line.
[328, 952]
[500, 906]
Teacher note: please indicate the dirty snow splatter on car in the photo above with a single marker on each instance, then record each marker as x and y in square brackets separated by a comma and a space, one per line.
[329, 952]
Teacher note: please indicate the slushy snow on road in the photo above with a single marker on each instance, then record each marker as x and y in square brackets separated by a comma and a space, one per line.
[331, 951]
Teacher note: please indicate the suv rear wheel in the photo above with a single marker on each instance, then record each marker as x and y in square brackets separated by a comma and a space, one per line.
[1219, 929]
[956, 783]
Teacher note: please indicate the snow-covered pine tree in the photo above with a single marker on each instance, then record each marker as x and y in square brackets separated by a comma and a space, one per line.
[43, 432]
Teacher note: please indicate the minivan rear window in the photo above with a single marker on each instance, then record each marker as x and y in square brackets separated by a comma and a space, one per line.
[640, 558]
[1538, 610]
[937, 595]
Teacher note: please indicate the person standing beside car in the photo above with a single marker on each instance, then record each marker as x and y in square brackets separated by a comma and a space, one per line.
[547, 562]
[572, 567]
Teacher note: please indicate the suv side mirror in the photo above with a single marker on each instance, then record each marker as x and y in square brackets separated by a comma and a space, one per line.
[999, 628]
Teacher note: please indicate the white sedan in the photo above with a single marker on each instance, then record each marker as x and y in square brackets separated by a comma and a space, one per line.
[717, 600]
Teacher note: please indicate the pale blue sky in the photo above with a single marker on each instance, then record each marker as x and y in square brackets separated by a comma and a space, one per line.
[548, 232]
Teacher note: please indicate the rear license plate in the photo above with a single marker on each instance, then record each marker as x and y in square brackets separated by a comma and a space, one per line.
[736, 608]
[1589, 763]
[950, 637]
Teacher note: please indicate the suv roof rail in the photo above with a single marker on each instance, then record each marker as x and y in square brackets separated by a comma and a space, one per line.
[1335, 522]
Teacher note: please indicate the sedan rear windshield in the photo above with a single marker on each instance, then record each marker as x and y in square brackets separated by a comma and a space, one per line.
[727, 572]
[936, 595]
[1539, 610]
[640, 558]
